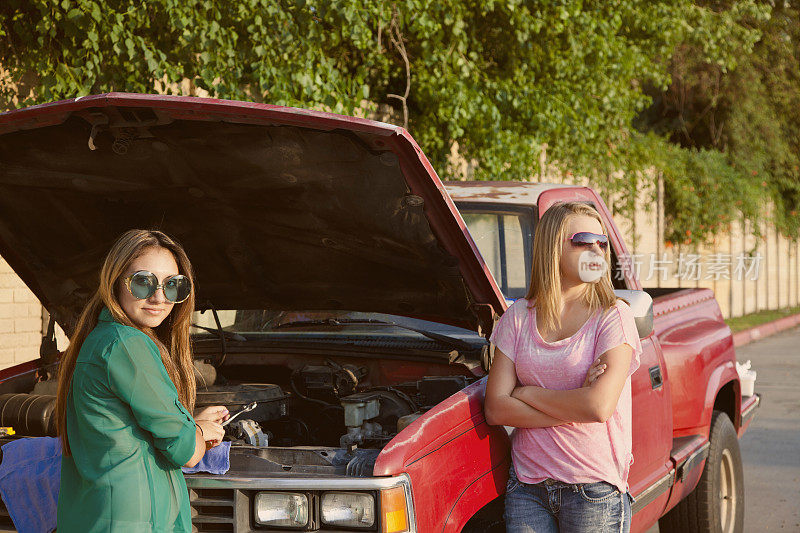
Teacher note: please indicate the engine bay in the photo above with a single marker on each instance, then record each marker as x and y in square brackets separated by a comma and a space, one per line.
[321, 416]
[326, 405]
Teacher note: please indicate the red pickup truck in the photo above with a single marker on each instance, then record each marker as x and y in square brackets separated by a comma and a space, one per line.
[351, 293]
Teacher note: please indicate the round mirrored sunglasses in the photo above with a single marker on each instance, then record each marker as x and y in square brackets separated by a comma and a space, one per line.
[144, 284]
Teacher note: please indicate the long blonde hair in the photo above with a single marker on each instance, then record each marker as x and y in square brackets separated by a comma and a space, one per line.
[173, 332]
[545, 285]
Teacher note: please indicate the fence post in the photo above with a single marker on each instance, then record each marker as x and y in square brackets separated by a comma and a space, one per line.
[730, 282]
[768, 301]
[660, 220]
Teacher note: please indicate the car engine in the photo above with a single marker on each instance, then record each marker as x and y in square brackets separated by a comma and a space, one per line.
[321, 405]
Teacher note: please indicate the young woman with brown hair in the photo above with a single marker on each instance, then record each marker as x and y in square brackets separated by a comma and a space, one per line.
[560, 375]
[125, 393]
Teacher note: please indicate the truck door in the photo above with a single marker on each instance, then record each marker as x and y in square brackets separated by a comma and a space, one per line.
[652, 424]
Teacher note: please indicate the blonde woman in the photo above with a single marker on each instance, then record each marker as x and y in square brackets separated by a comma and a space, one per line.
[561, 372]
[125, 393]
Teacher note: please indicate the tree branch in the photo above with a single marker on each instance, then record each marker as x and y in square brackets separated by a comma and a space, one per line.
[396, 37]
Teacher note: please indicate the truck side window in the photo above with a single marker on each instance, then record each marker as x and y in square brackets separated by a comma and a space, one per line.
[617, 279]
[504, 240]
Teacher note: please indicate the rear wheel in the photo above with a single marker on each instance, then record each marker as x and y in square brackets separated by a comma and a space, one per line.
[717, 503]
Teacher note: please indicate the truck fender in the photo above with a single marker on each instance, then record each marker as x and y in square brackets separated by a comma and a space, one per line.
[476, 498]
[488, 519]
[456, 462]
[720, 377]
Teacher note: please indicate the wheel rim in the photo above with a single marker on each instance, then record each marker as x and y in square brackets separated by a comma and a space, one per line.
[727, 493]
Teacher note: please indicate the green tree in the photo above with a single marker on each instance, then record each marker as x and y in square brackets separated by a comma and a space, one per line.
[737, 116]
[501, 79]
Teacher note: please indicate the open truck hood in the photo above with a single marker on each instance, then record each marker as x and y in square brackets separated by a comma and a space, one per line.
[277, 208]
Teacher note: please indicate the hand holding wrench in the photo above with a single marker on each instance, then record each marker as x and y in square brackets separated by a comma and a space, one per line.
[246, 409]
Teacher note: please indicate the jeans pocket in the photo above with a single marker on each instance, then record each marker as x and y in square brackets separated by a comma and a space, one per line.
[598, 492]
[513, 483]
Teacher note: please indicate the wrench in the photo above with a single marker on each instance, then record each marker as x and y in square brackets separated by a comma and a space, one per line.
[246, 409]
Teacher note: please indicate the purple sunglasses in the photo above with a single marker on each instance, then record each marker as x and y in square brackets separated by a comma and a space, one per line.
[586, 239]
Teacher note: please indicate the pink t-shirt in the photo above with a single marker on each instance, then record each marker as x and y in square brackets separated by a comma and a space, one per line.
[574, 452]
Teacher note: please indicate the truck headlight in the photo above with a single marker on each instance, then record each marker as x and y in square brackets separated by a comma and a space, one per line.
[348, 509]
[286, 509]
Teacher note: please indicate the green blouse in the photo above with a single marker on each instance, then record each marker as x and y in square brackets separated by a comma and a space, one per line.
[129, 435]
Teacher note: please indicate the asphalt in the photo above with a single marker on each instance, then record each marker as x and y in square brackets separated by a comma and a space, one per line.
[771, 446]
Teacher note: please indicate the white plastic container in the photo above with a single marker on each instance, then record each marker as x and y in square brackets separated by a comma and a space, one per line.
[747, 378]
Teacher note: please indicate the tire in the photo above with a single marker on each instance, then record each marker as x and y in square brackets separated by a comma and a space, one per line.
[717, 503]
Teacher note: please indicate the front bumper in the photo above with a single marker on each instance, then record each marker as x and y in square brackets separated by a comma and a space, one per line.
[225, 503]
[750, 405]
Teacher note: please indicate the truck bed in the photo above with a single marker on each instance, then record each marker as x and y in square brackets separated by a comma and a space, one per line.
[698, 349]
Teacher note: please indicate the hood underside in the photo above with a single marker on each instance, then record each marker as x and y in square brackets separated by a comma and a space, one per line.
[277, 208]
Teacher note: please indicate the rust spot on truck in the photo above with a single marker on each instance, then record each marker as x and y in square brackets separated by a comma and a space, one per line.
[514, 192]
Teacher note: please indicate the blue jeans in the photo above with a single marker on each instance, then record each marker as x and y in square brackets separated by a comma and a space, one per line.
[557, 507]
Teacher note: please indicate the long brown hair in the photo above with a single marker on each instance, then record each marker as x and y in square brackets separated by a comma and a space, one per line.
[545, 285]
[171, 336]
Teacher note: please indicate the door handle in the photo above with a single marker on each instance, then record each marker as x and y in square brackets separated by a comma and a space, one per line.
[655, 377]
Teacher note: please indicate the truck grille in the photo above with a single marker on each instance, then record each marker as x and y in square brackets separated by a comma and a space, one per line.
[212, 509]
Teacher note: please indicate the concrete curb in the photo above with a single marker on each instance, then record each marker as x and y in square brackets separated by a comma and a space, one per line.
[765, 330]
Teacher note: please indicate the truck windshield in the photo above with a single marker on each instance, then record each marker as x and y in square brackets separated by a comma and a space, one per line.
[254, 321]
[503, 239]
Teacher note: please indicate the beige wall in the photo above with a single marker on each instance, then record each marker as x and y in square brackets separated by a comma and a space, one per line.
[20, 319]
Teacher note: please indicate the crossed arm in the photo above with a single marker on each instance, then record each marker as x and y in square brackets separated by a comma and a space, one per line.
[531, 407]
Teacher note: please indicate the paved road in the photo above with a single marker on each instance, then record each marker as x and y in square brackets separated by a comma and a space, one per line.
[771, 446]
